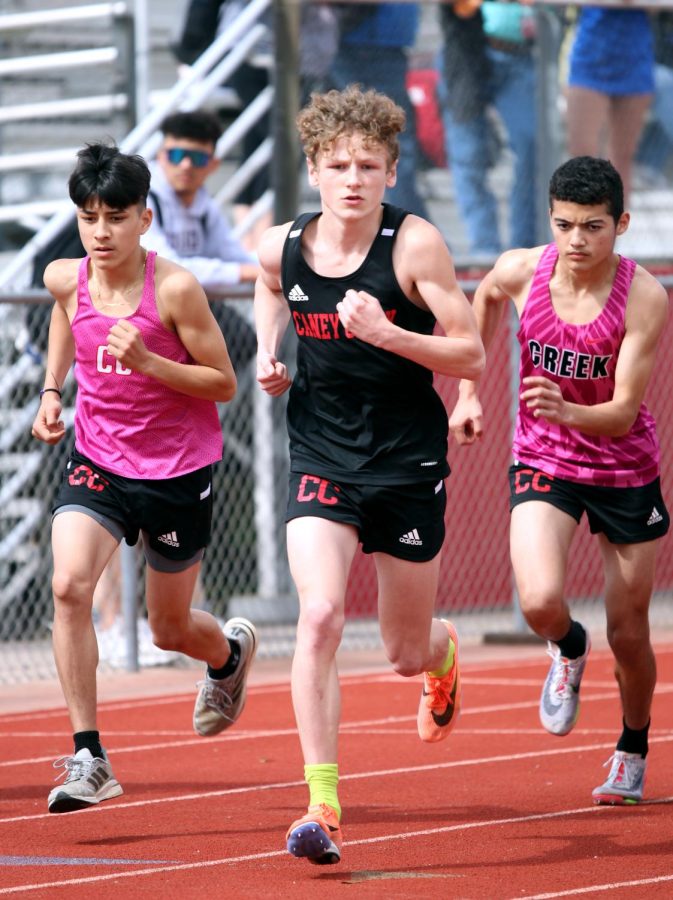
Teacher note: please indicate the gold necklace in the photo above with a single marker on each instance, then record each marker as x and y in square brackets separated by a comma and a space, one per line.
[125, 291]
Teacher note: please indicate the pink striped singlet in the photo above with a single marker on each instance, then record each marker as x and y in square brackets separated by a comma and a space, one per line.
[129, 423]
[581, 359]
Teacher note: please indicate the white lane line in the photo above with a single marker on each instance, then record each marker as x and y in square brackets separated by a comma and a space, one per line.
[345, 727]
[274, 686]
[354, 729]
[399, 836]
[591, 889]
[355, 776]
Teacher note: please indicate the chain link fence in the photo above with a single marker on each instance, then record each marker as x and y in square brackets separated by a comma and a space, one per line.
[245, 569]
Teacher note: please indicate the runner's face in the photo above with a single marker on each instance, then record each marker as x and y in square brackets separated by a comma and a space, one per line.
[351, 176]
[111, 236]
[585, 235]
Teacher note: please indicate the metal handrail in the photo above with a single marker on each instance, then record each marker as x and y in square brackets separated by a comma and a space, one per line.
[40, 208]
[51, 109]
[248, 169]
[73, 59]
[207, 73]
[22, 21]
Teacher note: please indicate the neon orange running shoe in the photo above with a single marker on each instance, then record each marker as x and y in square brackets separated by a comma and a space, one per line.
[316, 836]
[440, 701]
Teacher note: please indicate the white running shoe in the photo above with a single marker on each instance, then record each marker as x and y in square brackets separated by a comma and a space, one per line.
[88, 781]
[625, 783]
[560, 699]
[220, 701]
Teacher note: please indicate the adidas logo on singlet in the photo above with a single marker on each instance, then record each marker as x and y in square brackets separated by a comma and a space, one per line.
[296, 295]
[655, 516]
[171, 539]
[412, 537]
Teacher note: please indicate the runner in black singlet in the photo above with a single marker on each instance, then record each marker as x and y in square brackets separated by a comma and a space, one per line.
[363, 284]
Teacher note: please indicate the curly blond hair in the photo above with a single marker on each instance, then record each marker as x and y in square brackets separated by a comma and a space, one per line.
[335, 114]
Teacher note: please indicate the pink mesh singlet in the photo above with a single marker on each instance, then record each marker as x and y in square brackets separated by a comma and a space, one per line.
[129, 423]
[581, 359]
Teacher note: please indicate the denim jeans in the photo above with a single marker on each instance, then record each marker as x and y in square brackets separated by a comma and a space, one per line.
[470, 149]
[385, 70]
[656, 145]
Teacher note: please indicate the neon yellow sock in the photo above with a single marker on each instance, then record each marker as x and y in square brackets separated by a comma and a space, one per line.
[441, 672]
[322, 781]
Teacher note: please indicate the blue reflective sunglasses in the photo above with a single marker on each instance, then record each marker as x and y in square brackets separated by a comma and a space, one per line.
[199, 158]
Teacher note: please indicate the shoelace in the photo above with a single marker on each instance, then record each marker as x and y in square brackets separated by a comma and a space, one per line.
[564, 670]
[216, 698]
[73, 769]
[624, 774]
[439, 690]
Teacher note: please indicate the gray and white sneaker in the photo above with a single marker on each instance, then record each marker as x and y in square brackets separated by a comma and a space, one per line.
[220, 701]
[626, 781]
[560, 699]
[88, 781]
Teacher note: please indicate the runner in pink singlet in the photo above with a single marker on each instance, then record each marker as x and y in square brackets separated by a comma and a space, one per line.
[584, 442]
[150, 365]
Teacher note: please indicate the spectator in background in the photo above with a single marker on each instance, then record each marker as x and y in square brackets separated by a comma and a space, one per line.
[656, 146]
[487, 62]
[610, 85]
[375, 39]
[188, 227]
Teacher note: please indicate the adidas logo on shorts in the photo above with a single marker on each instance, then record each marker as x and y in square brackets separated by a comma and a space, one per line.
[171, 539]
[296, 295]
[412, 537]
[655, 516]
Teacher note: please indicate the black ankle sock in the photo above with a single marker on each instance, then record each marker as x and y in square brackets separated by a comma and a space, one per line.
[89, 740]
[634, 741]
[574, 643]
[231, 663]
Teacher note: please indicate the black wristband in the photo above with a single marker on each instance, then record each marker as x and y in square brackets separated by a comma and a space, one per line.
[45, 390]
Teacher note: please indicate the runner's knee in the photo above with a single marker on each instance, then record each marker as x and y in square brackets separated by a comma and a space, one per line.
[73, 592]
[321, 625]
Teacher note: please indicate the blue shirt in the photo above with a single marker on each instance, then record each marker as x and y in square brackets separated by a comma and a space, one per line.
[389, 25]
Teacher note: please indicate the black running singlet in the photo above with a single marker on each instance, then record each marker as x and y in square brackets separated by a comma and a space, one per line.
[356, 412]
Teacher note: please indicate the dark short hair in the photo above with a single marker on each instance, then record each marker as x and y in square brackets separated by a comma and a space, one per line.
[195, 126]
[105, 173]
[589, 181]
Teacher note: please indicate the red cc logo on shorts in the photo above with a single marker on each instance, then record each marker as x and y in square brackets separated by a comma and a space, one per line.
[311, 488]
[83, 474]
[535, 483]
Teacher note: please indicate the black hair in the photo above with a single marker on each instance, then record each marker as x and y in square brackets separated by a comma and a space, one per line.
[588, 181]
[195, 126]
[109, 176]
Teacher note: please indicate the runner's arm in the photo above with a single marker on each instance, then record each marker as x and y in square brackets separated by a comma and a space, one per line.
[272, 314]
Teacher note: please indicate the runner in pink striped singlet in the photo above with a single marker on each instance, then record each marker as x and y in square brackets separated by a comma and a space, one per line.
[589, 323]
[150, 364]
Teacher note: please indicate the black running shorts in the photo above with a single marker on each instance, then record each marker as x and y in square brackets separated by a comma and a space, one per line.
[174, 514]
[403, 520]
[629, 515]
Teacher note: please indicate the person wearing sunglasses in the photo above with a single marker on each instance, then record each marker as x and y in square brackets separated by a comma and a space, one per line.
[188, 227]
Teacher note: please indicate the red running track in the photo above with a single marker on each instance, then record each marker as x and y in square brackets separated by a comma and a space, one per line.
[501, 810]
